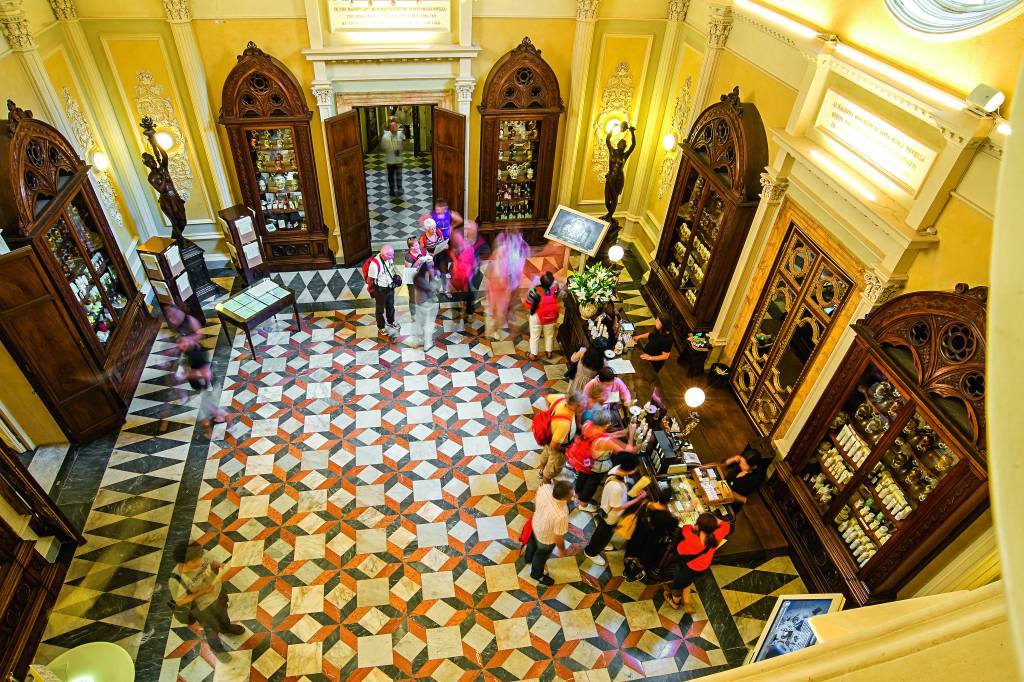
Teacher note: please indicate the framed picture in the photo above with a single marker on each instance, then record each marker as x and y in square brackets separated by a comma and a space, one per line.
[576, 230]
[787, 628]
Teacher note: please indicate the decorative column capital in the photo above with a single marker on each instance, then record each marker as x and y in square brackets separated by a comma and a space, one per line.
[14, 26]
[677, 9]
[464, 88]
[879, 289]
[178, 11]
[64, 10]
[586, 10]
[322, 92]
[772, 188]
[719, 25]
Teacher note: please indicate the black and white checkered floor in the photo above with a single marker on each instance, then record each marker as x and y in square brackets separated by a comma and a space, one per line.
[394, 219]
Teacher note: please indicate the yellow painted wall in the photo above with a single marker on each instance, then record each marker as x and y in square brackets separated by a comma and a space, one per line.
[962, 255]
[496, 36]
[691, 61]
[61, 74]
[992, 57]
[129, 55]
[613, 49]
[25, 405]
[774, 100]
[220, 43]
[15, 86]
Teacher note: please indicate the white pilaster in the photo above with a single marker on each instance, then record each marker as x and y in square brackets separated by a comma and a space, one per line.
[719, 27]
[179, 16]
[124, 162]
[464, 86]
[582, 46]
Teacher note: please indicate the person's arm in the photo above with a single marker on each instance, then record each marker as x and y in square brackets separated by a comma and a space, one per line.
[456, 218]
[625, 397]
[632, 501]
[632, 144]
[578, 355]
[641, 337]
[608, 141]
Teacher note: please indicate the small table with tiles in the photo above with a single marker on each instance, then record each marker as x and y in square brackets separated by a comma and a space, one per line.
[252, 307]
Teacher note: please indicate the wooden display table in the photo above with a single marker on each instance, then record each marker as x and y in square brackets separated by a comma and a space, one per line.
[254, 306]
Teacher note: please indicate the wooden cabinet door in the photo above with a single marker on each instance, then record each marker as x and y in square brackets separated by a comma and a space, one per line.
[449, 167]
[346, 157]
[44, 340]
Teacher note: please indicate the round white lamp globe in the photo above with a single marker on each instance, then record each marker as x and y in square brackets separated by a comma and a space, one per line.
[164, 140]
[694, 397]
[612, 125]
[669, 142]
[100, 162]
[615, 253]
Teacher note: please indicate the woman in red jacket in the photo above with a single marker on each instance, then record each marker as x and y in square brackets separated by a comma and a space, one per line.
[696, 550]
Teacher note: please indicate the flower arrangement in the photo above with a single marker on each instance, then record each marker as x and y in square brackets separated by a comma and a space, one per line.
[594, 284]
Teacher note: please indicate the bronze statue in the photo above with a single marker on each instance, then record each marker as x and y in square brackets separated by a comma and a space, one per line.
[615, 178]
[160, 178]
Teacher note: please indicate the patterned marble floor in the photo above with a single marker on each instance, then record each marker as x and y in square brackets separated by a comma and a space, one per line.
[394, 219]
[365, 499]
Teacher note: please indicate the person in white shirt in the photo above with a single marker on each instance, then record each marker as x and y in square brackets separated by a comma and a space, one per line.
[391, 143]
[381, 273]
[615, 500]
[550, 524]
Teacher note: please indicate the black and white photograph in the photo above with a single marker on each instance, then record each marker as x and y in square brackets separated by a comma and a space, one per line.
[576, 230]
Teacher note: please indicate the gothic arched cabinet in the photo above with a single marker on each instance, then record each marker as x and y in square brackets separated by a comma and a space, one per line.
[712, 206]
[265, 113]
[519, 113]
[70, 313]
[891, 464]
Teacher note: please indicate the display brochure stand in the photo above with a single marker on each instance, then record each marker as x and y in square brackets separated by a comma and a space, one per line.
[243, 241]
[165, 268]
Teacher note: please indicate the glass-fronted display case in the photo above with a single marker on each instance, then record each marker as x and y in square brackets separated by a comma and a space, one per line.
[892, 461]
[75, 320]
[265, 113]
[708, 217]
[519, 114]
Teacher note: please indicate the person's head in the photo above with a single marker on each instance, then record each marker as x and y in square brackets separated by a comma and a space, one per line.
[621, 145]
[595, 394]
[426, 268]
[149, 162]
[561, 490]
[626, 462]
[470, 231]
[600, 419]
[606, 375]
[593, 358]
[707, 524]
[661, 322]
[457, 241]
[547, 280]
[576, 401]
[430, 225]
[387, 252]
[393, 125]
[174, 315]
[412, 244]
[440, 206]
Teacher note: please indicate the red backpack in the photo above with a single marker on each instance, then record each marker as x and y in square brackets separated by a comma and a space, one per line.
[370, 286]
[542, 423]
[462, 269]
[580, 454]
[547, 311]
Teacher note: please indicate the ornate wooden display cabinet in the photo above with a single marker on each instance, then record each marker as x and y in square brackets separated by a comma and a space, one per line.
[519, 114]
[267, 120]
[70, 313]
[891, 464]
[708, 217]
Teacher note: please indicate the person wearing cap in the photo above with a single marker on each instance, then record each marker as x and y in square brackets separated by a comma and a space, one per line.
[615, 500]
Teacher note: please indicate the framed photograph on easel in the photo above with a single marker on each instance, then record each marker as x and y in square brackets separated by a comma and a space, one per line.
[787, 629]
[576, 230]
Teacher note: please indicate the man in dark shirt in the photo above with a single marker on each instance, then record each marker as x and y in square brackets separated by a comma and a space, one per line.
[658, 344]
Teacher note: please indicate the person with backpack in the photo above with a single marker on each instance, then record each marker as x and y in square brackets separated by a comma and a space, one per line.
[656, 528]
[615, 501]
[694, 555]
[544, 307]
[554, 428]
[381, 280]
[590, 454]
[549, 524]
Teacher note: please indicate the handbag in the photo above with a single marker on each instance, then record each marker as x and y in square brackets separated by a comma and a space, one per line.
[627, 525]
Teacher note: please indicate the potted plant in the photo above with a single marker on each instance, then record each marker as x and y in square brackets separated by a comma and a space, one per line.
[593, 285]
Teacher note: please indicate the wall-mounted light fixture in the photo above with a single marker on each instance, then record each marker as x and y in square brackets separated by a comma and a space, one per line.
[100, 161]
[668, 142]
[165, 140]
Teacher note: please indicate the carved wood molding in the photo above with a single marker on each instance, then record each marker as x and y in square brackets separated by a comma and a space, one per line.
[521, 79]
[344, 101]
[261, 86]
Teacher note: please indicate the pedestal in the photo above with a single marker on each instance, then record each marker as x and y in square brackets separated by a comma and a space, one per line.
[198, 275]
[610, 238]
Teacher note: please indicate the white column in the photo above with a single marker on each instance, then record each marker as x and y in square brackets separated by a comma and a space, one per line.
[582, 45]
[323, 93]
[179, 16]
[18, 33]
[719, 27]
[464, 86]
[124, 161]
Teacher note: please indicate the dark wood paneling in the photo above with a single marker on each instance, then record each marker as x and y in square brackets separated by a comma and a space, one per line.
[346, 157]
[449, 158]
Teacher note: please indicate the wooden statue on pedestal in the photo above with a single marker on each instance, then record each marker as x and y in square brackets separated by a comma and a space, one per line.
[173, 206]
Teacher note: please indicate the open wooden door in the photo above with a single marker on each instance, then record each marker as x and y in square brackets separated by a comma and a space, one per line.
[450, 159]
[345, 153]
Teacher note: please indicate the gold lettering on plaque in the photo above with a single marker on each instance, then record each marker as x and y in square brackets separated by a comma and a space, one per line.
[390, 15]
